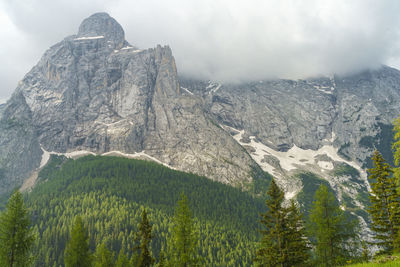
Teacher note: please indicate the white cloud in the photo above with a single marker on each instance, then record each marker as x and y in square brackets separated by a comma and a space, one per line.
[223, 39]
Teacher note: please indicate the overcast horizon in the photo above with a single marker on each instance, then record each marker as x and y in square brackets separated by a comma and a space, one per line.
[219, 40]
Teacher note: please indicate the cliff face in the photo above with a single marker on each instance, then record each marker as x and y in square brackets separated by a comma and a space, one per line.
[320, 125]
[95, 93]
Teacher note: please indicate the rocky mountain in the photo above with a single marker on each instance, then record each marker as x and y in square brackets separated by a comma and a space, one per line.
[95, 93]
[315, 125]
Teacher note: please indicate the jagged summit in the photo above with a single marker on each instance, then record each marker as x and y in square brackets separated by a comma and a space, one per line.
[94, 93]
[102, 24]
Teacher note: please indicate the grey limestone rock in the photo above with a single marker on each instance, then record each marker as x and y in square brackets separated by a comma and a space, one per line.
[101, 24]
[95, 92]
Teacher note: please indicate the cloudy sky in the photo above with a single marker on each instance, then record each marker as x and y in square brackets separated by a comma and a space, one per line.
[224, 40]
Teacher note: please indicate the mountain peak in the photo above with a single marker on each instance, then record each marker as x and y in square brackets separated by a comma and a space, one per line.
[102, 24]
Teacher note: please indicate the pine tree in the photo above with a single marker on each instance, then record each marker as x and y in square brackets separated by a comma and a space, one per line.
[183, 249]
[77, 253]
[297, 244]
[145, 259]
[16, 237]
[385, 204]
[272, 250]
[334, 234]
[103, 257]
[396, 148]
[283, 240]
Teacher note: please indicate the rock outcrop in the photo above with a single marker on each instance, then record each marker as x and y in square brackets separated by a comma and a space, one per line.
[95, 92]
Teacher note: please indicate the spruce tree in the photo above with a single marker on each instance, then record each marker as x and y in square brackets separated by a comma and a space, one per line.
[283, 240]
[297, 244]
[145, 259]
[396, 149]
[385, 204]
[16, 237]
[183, 243]
[103, 257]
[333, 233]
[77, 252]
[272, 250]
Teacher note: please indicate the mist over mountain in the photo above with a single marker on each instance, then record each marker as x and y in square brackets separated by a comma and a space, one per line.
[227, 41]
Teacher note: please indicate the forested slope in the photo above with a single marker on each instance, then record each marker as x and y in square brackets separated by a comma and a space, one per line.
[110, 194]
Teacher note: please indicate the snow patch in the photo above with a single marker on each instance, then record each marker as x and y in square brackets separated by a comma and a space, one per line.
[213, 87]
[290, 195]
[89, 38]
[110, 124]
[128, 48]
[136, 155]
[216, 89]
[81, 153]
[259, 153]
[112, 128]
[45, 158]
[73, 155]
[295, 156]
[333, 137]
[186, 90]
[77, 154]
[323, 89]
[326, 165]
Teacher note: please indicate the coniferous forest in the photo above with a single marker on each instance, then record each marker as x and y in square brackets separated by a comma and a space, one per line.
[110, 194]
[113, 211]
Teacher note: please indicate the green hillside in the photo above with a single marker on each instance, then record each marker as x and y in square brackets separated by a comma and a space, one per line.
[110, 193]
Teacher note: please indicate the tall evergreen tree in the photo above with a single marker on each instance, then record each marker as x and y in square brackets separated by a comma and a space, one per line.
[283, 240]
[297, 244]
[16, 237]
[272, 250]
[103, 257]
[385, 204]
[183, 245]
[334, 234]
[145, 259]
[396, 148]
[77, 252]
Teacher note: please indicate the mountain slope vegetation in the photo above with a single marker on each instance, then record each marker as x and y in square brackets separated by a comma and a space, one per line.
[110, 193]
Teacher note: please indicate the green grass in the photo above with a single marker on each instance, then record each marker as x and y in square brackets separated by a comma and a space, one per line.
[387, 261]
